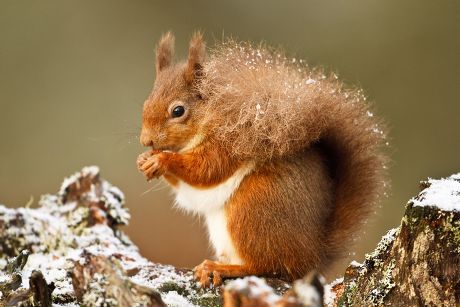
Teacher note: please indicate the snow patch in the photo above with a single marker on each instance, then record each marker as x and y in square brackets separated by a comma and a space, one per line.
[3, 264]
[53, 268]
[255, 288]
[307, 294]
[3, 278]
[443, 194]
[174, 299]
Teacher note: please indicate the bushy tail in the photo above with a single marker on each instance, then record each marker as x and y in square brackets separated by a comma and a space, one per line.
[353, 143]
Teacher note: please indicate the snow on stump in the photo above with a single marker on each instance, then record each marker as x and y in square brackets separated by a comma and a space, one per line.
[253, 291]
[70, 251]
[417, 264]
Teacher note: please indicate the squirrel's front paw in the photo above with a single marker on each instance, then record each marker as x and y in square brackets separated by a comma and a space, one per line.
[152, 165]
[143, 157]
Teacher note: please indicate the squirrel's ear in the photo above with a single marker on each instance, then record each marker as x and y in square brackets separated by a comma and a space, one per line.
[196, 55]
[165, 51]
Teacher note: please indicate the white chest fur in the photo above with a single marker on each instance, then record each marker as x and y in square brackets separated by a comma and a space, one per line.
[204, 200]
[210, 203]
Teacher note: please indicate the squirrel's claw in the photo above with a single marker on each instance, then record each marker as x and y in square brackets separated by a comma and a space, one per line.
[216, 278]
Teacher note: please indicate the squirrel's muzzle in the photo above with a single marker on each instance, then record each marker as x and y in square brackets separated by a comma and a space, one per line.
[145, 138]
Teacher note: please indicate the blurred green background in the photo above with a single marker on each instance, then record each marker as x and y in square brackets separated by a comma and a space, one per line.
[74, 75]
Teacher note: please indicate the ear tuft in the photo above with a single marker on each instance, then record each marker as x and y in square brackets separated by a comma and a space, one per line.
[196, 55]
[164, 52]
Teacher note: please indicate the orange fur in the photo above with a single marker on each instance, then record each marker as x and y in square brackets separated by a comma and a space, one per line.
[204, 167]
[316, 150]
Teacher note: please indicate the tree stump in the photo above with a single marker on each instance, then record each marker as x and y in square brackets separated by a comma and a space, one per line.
[418, 263]
[74, 242]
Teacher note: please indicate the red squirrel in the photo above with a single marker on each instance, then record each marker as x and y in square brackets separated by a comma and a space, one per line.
[283, 162]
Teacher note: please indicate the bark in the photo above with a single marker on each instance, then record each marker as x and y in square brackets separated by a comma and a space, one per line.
[97, 280]
[70, 251]
[416, 264]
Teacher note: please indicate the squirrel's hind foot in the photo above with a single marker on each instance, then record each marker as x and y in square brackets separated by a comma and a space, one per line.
[211, 273]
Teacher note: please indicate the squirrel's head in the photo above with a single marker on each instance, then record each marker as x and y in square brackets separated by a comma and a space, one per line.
[170, 120]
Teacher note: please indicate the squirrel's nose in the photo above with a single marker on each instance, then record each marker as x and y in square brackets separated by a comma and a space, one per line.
[145, 139]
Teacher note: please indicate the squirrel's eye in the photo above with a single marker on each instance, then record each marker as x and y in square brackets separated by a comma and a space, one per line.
[178, 111]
